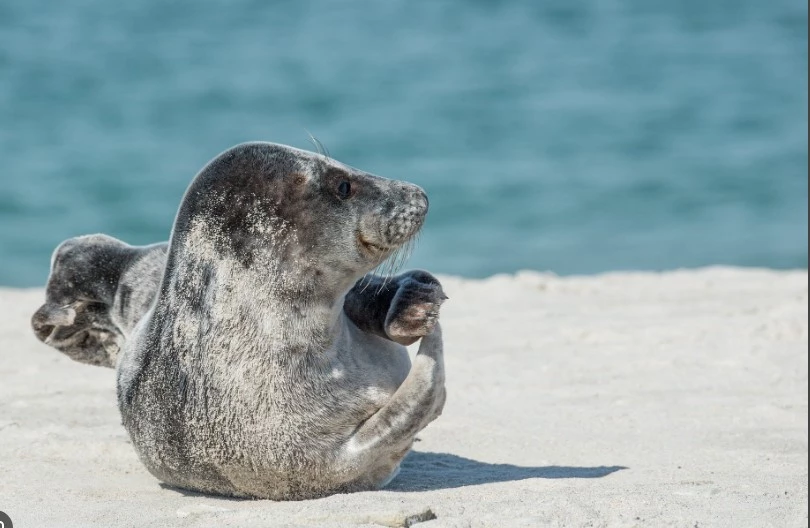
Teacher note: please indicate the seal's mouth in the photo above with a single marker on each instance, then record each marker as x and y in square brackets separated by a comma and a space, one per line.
[371, 247]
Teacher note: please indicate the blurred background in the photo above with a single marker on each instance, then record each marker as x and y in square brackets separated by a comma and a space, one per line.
[565, 135]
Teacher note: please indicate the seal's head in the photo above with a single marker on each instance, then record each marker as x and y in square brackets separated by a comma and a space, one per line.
[300, 217]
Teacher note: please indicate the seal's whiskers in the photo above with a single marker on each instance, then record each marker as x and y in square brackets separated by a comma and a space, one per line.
[394, 263]
[319, 147]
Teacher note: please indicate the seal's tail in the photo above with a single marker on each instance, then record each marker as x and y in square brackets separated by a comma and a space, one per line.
[98, 289]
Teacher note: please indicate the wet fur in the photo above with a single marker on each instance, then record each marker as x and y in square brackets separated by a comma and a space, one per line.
[266, 365]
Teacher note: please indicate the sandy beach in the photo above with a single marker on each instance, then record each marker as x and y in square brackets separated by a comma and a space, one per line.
[622, 399]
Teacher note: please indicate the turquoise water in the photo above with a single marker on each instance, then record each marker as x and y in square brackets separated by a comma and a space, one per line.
[564, 135]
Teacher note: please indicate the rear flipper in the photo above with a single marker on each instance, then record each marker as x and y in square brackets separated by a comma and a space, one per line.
[82, 330]
[98, 289]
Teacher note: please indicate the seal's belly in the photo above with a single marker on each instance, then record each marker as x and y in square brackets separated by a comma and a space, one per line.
[280, 445]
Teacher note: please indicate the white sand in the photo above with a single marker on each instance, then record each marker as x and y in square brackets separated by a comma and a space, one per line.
[675, 399]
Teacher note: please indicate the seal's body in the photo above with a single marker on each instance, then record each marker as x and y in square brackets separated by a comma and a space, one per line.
[263, 368]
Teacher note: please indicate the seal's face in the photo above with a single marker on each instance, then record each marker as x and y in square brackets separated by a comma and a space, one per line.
[269, 205]
[369, 217]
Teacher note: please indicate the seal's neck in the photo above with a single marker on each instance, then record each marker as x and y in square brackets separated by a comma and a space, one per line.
[274, 303]
[272, 310]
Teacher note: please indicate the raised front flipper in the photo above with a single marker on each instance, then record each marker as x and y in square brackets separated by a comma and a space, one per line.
[402, 308]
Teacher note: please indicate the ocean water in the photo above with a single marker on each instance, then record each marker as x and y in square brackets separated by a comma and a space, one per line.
[570, 136]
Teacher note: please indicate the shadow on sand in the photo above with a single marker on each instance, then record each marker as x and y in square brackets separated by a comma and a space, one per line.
[433, 471]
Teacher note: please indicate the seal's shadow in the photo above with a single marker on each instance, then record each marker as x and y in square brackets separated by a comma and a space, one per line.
[433, 471]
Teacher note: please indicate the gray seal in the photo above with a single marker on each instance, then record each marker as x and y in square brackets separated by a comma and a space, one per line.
[270, 363]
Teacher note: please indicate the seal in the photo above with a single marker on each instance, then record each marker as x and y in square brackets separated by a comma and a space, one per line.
[97, 290]
[270, 363]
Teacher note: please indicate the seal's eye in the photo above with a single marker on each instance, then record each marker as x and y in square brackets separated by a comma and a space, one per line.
[344, 189]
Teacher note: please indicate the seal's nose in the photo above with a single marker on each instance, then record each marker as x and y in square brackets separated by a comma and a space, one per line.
[418, 198]
[423, 195]
[409, 209]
